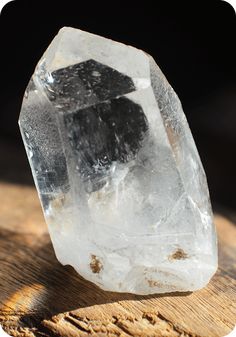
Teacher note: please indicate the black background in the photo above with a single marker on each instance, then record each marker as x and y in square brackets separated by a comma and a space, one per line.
[193, 43]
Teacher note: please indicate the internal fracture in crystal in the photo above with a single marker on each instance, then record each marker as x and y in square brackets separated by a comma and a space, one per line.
[119, 177]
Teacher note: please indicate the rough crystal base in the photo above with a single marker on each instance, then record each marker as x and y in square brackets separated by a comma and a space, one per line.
[121, 183]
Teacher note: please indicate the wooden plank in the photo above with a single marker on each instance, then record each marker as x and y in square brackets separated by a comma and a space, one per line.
[40, 297]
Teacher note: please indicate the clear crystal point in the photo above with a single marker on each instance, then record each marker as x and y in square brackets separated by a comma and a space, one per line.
[119, 177]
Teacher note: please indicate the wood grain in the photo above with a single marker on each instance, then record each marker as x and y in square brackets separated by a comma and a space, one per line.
[40, 297]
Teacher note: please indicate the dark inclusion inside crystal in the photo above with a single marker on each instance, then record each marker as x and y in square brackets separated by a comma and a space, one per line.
[103, 126]
[87, 83]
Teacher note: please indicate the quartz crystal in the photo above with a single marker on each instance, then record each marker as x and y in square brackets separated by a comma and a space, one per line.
[120, 180]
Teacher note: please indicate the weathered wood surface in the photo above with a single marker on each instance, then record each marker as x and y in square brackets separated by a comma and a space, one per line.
[40, 297]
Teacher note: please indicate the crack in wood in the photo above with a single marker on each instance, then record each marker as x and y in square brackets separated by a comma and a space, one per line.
[79, 324]
[177, 328]
[121, 326]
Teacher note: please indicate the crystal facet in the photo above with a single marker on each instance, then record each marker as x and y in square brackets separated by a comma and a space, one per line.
[119, 177]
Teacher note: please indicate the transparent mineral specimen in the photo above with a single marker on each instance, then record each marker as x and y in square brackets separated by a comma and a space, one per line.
[121, 184]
